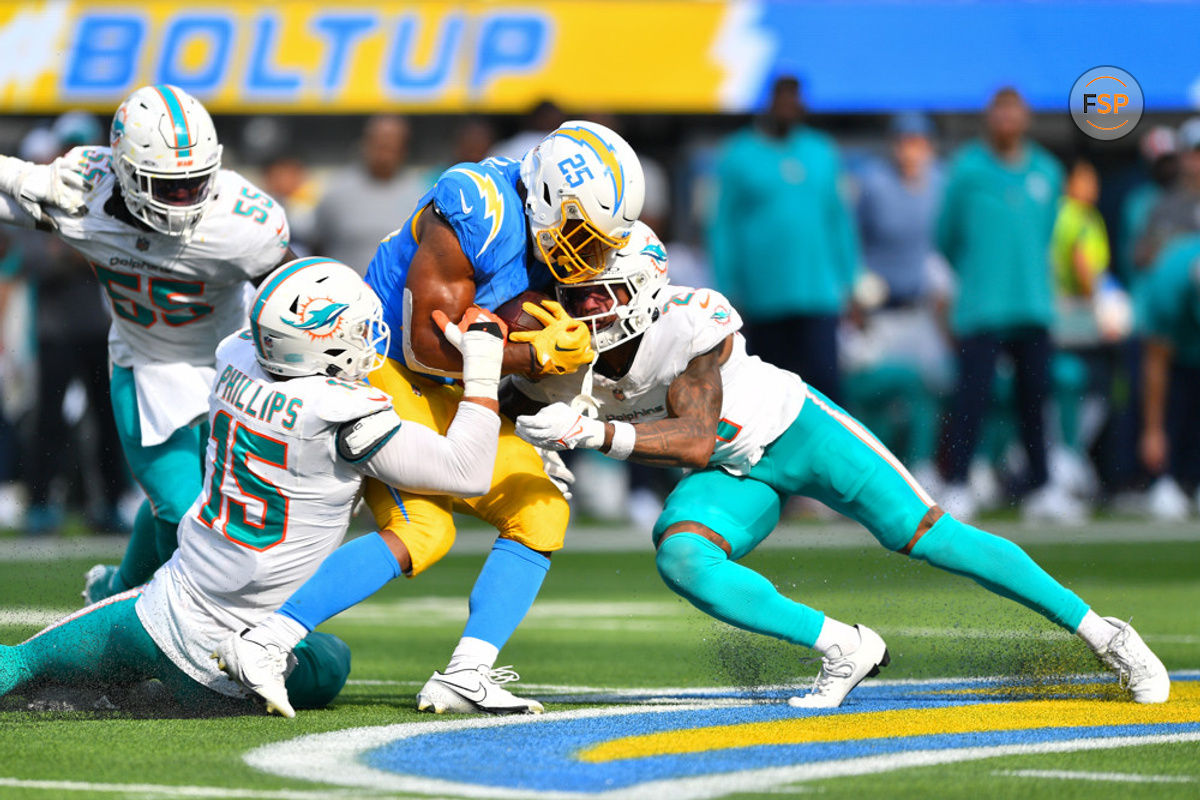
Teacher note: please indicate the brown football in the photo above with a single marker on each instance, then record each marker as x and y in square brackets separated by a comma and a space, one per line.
[515, 317]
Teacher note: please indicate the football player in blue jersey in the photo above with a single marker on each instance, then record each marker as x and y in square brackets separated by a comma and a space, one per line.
[485, 233]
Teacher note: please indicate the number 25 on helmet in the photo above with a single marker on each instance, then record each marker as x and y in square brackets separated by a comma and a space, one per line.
[585, 190]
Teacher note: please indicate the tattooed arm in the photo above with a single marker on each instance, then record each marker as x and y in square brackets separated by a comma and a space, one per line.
[685, 438]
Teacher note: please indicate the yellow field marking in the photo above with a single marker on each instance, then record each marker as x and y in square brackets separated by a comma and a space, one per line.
[1184, 706]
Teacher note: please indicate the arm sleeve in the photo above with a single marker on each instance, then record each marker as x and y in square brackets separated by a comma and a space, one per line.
[460, 463]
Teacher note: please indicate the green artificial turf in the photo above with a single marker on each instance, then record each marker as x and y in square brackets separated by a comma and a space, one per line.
[606, 620]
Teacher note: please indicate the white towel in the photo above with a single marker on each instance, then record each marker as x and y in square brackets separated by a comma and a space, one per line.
[170, 396]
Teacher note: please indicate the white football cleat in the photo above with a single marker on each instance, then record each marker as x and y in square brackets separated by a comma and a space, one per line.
[474, 691]
[839, 674]
[260, 667]
[1138, 669]
[97, 583]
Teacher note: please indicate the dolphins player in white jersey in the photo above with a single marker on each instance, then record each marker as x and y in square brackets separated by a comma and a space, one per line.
[674, 386]
[173, 239]
[295, 428]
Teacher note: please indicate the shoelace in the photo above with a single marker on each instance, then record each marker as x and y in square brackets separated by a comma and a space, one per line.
[832, 669]
[504, 674]
[274, 659]
[1118, 647]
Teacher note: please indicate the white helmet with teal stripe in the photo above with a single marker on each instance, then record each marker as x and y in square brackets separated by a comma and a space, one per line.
[316, 316]
[623, 300]
[165, 155]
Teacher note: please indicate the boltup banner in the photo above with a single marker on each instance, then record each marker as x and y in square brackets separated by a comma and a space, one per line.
[621, 55]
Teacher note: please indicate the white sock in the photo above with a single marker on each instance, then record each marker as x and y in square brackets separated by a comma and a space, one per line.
[473, 653]
[837, 634]
[280, 630]
[1095, 630]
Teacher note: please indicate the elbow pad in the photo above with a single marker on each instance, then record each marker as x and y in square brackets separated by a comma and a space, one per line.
[362, 438]
[410, 357]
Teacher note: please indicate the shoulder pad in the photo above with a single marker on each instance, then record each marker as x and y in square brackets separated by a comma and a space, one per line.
[264, 230]
[474, 201]
[361, 438]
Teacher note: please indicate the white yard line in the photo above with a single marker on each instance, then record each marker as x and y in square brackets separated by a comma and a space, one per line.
[164, 790]
[1111, 777]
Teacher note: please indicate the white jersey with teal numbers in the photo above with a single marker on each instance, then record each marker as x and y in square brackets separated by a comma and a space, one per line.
[277, 500]
[173, 301]
[759, 401]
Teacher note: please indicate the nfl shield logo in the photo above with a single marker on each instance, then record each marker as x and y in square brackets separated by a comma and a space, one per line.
[617, 393]
[143, 244]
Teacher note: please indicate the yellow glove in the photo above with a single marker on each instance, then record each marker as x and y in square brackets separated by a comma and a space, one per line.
[563, 345]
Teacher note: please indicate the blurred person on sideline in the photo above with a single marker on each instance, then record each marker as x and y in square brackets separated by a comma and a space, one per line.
[782, 239]
[286, 178]
[1169, 446]
[1093, 315]
[362, 201]
[1177, 212]
[71, 328]
[897, 362]
[994, 227]
[543, 118]
[1159, 149]
[472, 142]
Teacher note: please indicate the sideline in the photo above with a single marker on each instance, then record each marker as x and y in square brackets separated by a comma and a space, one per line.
[599, 538]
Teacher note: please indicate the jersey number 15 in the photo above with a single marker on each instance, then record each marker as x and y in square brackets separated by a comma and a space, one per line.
[234, 490]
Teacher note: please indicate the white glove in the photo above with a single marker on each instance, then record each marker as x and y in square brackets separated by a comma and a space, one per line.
[56, 184]
[480, 338]
[557, 471]
[560, 427]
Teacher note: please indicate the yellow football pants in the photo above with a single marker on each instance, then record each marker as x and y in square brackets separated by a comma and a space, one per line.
[523, 504]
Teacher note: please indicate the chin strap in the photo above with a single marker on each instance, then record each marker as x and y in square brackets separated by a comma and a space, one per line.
[584, 402]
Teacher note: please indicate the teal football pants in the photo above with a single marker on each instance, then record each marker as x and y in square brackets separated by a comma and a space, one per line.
[106, 645]
[826, 454]
[171, 474]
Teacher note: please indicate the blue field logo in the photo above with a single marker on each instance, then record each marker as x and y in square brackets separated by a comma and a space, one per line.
[705, 743]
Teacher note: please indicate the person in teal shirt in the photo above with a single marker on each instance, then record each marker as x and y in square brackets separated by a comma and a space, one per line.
[782, 239]
[1168, 315]
[997, 216]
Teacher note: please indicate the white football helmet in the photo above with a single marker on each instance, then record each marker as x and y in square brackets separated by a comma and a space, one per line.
[585, 190]
[316, 316]
[640, 270]
[166, 156]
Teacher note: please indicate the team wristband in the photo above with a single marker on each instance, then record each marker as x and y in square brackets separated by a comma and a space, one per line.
[623, 439]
